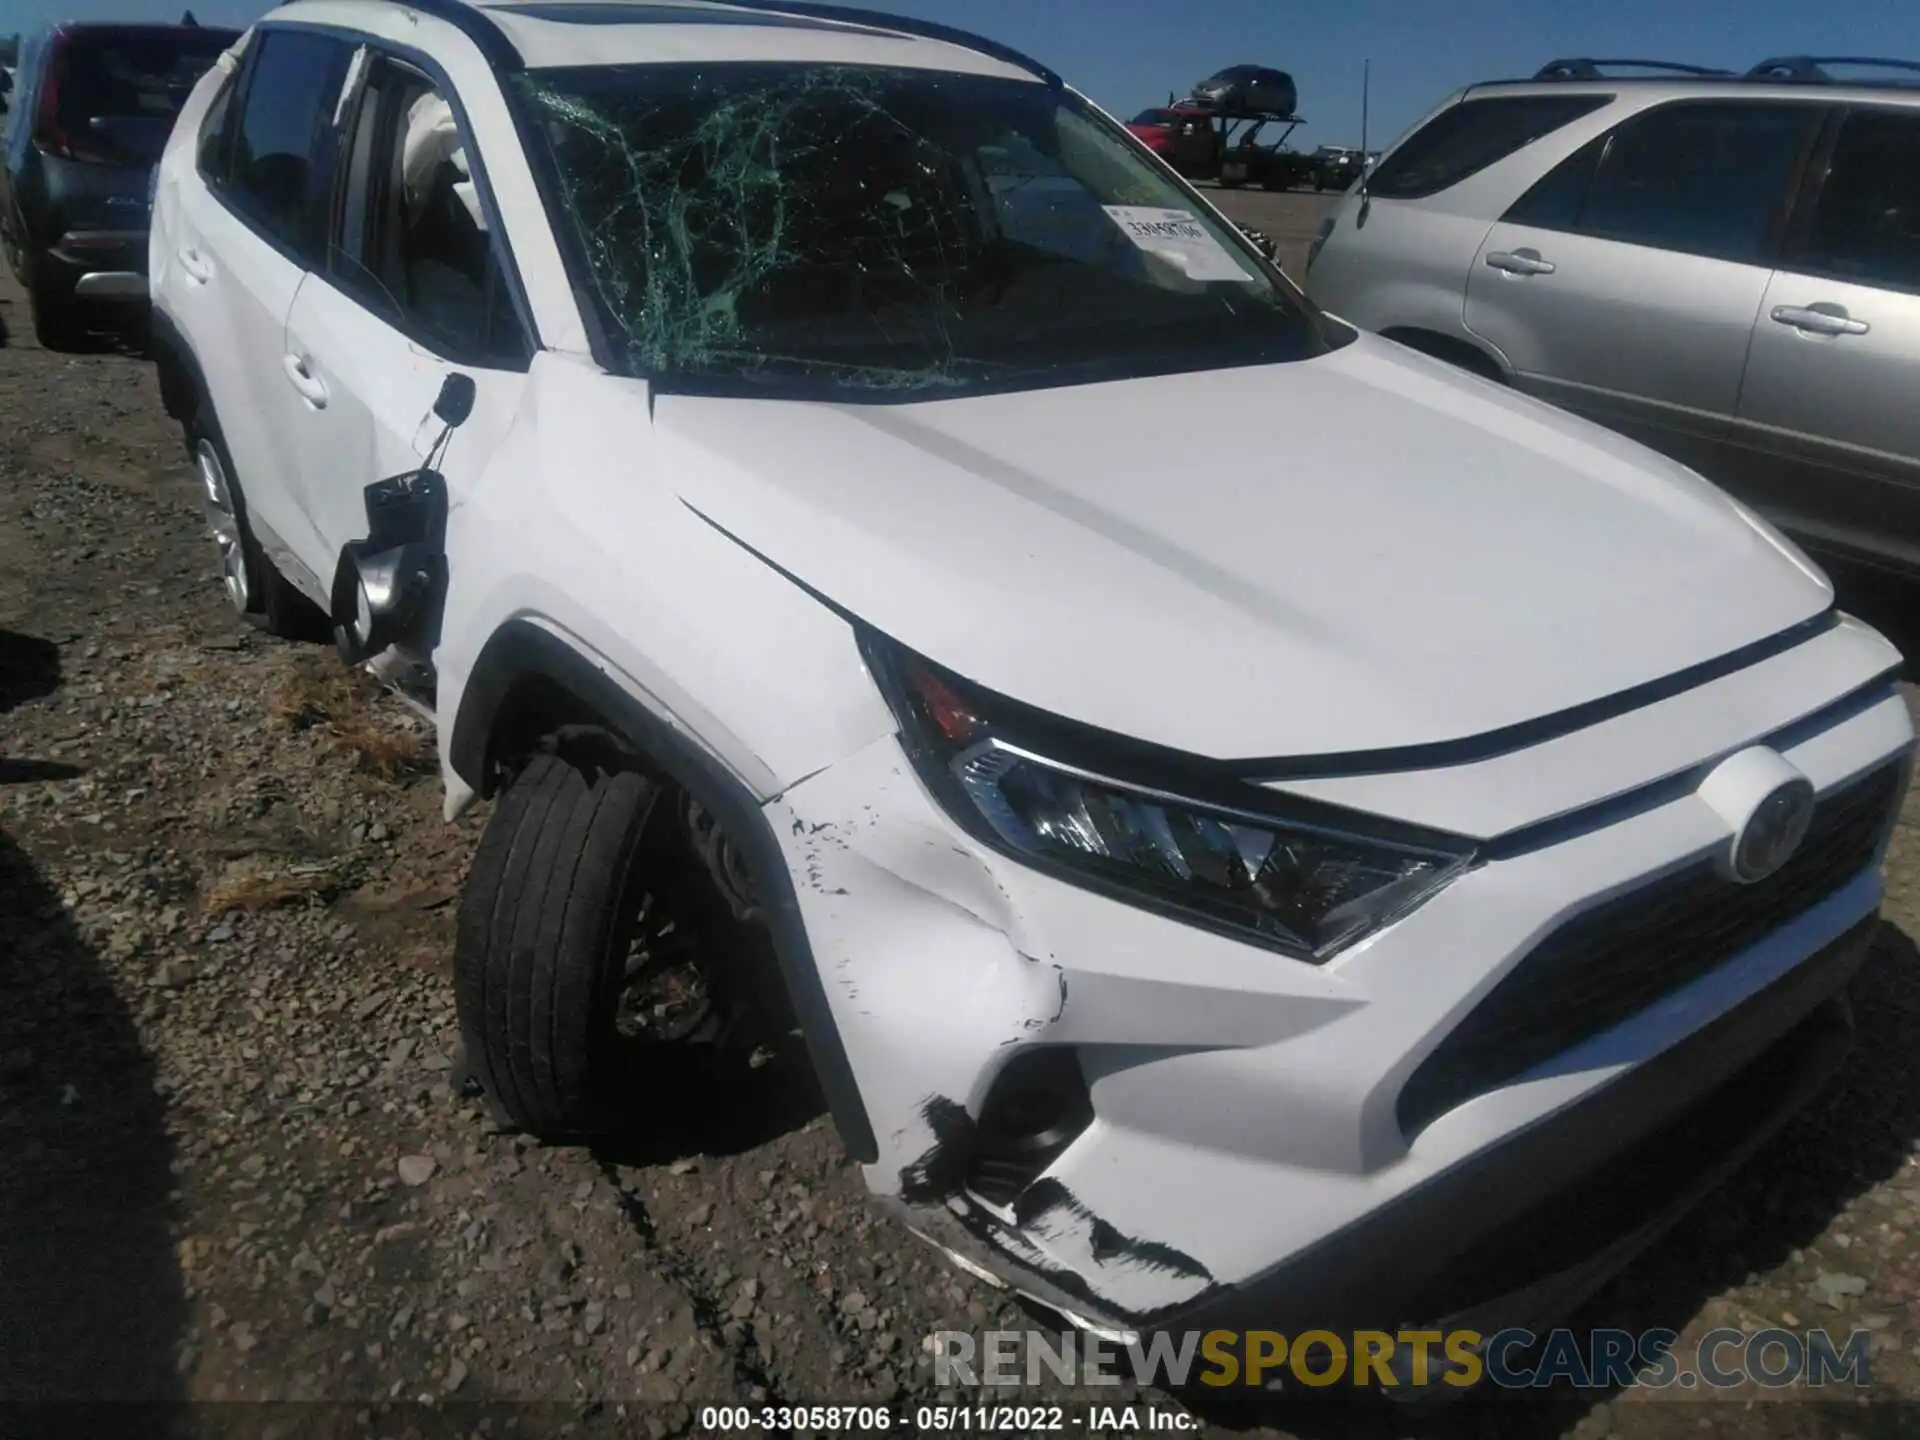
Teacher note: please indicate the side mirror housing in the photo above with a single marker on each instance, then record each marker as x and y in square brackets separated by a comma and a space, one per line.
[386, 584]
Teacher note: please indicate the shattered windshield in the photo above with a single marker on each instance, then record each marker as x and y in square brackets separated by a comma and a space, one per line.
[888, 231]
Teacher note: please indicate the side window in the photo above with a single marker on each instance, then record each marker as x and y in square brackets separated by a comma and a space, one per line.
[277, 146]
[1464, 139]
[1866, 224]
[1557, 198]
[216, 131]
[1705, 177]
[410, 239]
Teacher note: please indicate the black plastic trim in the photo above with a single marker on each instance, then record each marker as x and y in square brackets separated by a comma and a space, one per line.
[1096, 747]
[1504, 741]
[520, 650]
[1132, 754]
[1811, 69]
[167, 348]
[1584, 69]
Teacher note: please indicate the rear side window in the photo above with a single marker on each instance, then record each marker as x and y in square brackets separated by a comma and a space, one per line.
[273, 169]
[115, 91]
[1866, 224]
[1707, 177]
[1466, 138]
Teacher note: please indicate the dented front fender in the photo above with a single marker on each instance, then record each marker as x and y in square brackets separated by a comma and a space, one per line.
[943, 962]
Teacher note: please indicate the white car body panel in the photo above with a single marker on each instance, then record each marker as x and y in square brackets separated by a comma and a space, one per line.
[572, 524]
[1240, 1074]
[1305, 579]
[376, 417]
[1366, 553]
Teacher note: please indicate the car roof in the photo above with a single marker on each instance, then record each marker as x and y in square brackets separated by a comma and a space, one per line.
[544, 34]
[1801, 77]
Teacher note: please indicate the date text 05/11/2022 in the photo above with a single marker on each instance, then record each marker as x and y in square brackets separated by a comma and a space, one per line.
[974, 1419]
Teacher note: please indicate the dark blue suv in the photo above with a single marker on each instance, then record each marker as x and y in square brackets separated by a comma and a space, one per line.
[89, 112]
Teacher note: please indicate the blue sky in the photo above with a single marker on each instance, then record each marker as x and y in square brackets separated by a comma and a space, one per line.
[1127, 54]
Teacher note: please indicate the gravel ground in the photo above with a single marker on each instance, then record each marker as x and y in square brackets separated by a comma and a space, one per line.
[235, 1169]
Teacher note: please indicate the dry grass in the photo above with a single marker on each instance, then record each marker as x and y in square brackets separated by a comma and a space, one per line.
[345, 704]
[243, 888]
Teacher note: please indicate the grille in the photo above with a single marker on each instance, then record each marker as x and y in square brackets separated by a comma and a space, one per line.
[1614, 960]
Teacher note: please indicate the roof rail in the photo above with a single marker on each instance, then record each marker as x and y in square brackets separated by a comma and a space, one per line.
[475, 24]
[904, 25]
[1811, 69]
[1584, 69]
[479, 27]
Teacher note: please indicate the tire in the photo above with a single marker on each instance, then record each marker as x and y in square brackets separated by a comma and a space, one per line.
[59, 323]
[540, 956]
[1226, 184]
[256, 590]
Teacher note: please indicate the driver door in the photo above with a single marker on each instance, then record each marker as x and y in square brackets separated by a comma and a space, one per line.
[413, 288]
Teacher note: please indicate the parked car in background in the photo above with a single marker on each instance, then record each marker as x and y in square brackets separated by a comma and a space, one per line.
[1724, 266]
[1183, 135]
[1215, 893]
[1335, 167]
[1271, 166]
[91, 110]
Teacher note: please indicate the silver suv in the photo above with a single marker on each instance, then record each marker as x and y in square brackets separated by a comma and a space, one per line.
[1724, 266]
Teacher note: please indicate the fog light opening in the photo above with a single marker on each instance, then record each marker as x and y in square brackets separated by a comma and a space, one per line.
[1036, 1108]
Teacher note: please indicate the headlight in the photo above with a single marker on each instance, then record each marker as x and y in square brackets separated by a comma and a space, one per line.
[1168, 833]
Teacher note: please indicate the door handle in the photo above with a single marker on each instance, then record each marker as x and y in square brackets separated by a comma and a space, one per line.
[311, 387]
[197, 269]
[1519, 262]
[1819, 320]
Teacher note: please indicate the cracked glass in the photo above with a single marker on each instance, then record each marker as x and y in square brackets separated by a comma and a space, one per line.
[887, 232]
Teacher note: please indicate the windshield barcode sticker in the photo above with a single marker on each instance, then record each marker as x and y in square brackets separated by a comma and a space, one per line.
[1177, 236]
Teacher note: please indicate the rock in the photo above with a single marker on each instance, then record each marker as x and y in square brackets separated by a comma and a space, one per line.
[683, 1167]
[456, 1376]
[658, 1389]
[593, 1318]
[416, 1170]
[1833, 1289]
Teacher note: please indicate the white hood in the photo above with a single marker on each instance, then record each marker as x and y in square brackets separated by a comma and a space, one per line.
[1364, 551]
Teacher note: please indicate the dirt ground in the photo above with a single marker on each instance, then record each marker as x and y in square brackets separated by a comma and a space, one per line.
[232, 1167]
[1290, 217]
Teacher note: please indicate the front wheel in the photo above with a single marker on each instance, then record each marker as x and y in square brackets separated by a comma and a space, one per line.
[580, 947]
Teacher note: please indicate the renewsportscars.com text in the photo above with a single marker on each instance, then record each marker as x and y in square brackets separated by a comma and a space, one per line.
[1508, 1359]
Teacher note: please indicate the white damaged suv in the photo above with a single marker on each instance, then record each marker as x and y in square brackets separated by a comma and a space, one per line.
[1256, 826]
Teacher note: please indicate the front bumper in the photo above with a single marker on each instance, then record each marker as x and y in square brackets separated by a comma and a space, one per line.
[1247, 1154]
